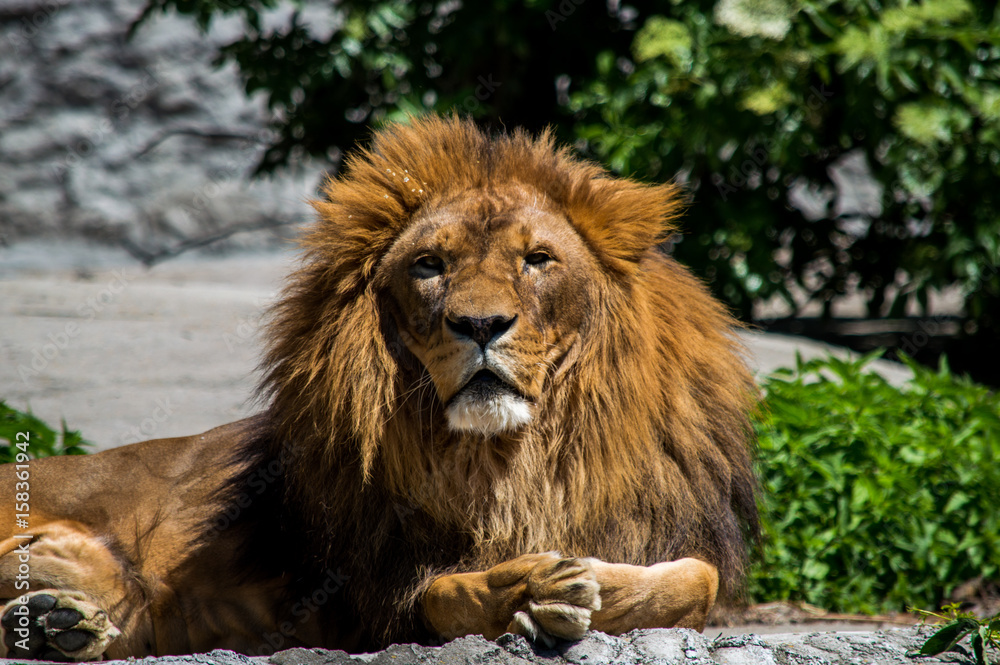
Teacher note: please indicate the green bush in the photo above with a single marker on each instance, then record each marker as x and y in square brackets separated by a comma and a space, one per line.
[876, 497]
[753, 100]
[41, 440]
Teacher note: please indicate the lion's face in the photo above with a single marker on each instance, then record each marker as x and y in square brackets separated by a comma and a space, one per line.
[489, 291]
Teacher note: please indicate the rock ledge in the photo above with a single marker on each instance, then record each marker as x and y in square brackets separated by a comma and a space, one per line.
[646, 647]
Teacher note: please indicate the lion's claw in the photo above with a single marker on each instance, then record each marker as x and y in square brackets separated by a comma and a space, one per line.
[56, 625]
[563, 593]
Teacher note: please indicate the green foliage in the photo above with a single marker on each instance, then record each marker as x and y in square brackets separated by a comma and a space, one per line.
[876, 497]
[984, 634]
[36, 439]
[757, 99]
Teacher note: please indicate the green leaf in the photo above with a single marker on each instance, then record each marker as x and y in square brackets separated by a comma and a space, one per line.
[917, 17]
[663, 37]
[42, 440]
[978, 639]
[857, 46]
[815, 570]
[956, 501]
[930, 123]
[947, 637]
[763, 101]
[944, 11]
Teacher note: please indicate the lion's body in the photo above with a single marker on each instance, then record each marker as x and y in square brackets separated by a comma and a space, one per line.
[483, 358]
[122, 527]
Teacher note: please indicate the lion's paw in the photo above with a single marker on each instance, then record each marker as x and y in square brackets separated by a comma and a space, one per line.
[56, 625]
[563, 592]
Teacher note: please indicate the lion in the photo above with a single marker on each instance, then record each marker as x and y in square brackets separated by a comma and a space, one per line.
[491, 403]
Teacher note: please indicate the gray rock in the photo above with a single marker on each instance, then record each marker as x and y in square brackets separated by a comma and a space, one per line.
[143, 143]
[312, 657]
[645, 647]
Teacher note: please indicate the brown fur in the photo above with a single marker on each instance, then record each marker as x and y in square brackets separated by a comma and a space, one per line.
[658, 398]
[638, 451]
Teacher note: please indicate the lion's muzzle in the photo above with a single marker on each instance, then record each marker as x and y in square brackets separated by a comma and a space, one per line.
[488, 405]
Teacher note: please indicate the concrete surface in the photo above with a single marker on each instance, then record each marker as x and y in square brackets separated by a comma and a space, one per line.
[125, 353]
[646, 647]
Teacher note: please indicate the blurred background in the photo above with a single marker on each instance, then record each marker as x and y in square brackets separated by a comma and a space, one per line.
[841, 160]
[841, 157]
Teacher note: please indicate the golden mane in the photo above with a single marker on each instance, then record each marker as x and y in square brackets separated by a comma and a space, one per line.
[642, 449]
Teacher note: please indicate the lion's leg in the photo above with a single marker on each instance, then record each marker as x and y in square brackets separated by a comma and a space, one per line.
[673, 594]
[76, 591]
[541, 596]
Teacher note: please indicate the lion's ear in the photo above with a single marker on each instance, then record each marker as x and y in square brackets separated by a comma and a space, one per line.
[622, 219]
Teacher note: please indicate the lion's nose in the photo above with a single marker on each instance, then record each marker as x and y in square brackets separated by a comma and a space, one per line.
[481, 331]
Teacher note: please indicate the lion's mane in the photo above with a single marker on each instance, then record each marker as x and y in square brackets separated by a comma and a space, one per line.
[641, 451]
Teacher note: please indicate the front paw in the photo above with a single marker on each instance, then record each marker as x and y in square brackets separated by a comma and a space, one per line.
[56, 625]
[562, 594]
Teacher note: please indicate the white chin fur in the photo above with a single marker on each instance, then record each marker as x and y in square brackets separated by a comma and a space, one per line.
[499, 413]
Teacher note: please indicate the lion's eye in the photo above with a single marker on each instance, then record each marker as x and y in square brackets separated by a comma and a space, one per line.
[538, 258]
[428, 266]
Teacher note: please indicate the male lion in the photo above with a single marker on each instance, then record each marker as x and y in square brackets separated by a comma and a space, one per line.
[493, 404]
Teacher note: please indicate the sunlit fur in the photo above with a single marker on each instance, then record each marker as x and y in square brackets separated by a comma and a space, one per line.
[501, 413]
[640, 451]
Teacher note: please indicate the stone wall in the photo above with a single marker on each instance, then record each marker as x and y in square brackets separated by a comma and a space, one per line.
[139, 142]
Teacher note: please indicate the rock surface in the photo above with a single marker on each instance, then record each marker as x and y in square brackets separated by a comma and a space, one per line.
[645, 647]
[140, 142]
